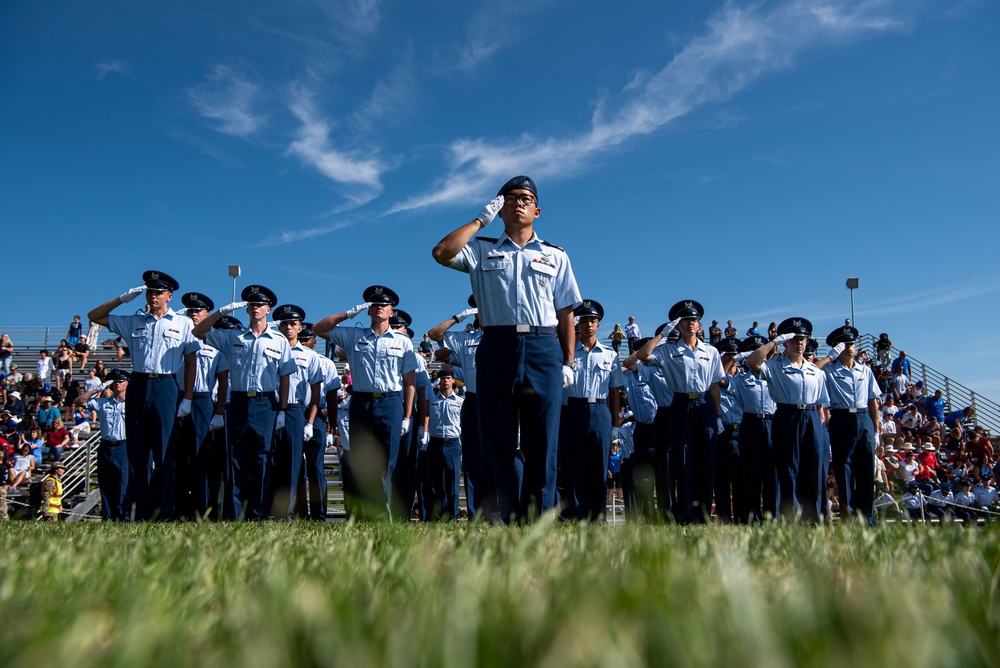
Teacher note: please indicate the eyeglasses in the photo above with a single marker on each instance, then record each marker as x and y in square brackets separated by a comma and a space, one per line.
[523, 200]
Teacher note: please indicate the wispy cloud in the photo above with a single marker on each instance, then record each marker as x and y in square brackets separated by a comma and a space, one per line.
[394, 93]
[230, 100]
[106, 67]
[740, 46]
[291, 236]
[938, 296]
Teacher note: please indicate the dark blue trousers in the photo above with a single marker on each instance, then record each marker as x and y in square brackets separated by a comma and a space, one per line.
[250, 430]
[852, 441]
[801, 462]
[519, 386]
[403, 475]
[112, 478]
[150, 412]
[644, 476]
[374, 433]
[444, 466]
[666, 486]
[757, 457]
[313, 474]
[472, 456]
[730, 501]
[288, 458]
[192, 458]
[693, 434]
[585, 443]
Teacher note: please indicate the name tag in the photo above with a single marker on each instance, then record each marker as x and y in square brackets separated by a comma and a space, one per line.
[272, 353]
[542, 268]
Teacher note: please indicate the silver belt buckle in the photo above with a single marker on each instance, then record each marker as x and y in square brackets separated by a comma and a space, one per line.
[522, 329]
[591, 400]
[801, 407]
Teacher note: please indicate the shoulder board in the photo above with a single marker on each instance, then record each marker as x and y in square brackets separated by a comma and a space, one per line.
[546, 243]
[492, 241]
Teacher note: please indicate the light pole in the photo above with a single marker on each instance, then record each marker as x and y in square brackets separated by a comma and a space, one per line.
[234, 273]
[852, 285]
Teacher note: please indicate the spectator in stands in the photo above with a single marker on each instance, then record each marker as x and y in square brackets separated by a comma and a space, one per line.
[929, 462]
[56, 439]
[900, 385]
[934, 406]
[617, 336]
[632, 334]
[753, 329]
[883, 350]
[75, 330]
[730, 330]
[772, 331]
[902, 363]
[910, 422]
[92, 382]
[916, 394]
[63, 358]
[14, 405]
[986, 495]
[930, 430]
[24, 466]
[81, 352]
[33, 439]
[911, 466]
[47, 413]
[45, 368]
[426, 347]
[956, 420]
[10, 428]
[954, 442]
[71, 387]
[6, 353]
[980, 445]
[13, 379]
[100, 370]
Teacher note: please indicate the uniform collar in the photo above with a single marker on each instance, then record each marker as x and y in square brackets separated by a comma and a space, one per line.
[504, 238]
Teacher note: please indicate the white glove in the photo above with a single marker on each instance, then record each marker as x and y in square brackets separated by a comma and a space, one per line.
[353, 312]
[307, 432]
[184, 409]
[465, 314]
[131, 294]
[836, 350]
[105, 385]
[742, 356]
[489, 211]
[279, 420]
[781, 338]
[672, 325]
[232, 308]
[406, 427]
[719, 425]
[568, 376]
[218, 422]
[423, 436]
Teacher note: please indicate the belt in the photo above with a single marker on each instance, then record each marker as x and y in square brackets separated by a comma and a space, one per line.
[586, 400]
[849, 410]
[294, 406]
[375, 395]
[759, 416]
[801, 407]
[253, 394]
[201, 395]
[689, 395]
[519, 329]
[105, 441]
[152, 376]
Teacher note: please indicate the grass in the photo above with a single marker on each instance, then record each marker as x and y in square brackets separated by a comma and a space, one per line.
[465, 595]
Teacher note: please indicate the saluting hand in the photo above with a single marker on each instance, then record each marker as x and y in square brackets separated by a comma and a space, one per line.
[232, 308]
[353, 312]
[781, 338]
[459, 317]
[837, 349]
[105, 385]
[131, 294]
[489, 211]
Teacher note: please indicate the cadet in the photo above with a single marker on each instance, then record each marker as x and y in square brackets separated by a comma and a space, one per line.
[403, 471]
[304, 390]
[659, 458]
[112, 458]
[801, 454]
[194, 436]
[638, 385]
[590, 413]
[315, 447]
[526, 291]
[383, 370]
[854, 425]
[260, 364]
[693, 371]
[219, 461]
[730, 504]
[444, 450]
[162, 347]
[756, 450]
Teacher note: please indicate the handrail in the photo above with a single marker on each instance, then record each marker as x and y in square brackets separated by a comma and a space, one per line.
[81, 465]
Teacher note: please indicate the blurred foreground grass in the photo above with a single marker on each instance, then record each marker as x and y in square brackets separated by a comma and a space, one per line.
[464, 595]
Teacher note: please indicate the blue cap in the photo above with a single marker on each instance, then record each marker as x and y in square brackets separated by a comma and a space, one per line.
[159, 281]
[687, 308]
[845, 334]
[472, 301]
[307, 331]
[258, 294]
[591, 308]
[116, 374]
[288, 312]
[227, 322]
[197, 301]
[400, 318]
[752, 343]
[812, 345]
[519, 183]
[730, 345]
[796, 326]
[379, 294]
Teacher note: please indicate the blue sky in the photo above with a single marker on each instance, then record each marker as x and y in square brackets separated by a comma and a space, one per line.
[751, 156]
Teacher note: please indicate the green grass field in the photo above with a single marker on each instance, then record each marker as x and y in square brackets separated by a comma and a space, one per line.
[465, 595]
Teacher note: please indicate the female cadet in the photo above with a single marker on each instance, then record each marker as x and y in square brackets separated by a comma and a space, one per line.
[693, 371]
[112, 459]
[801, 449]
[756, 451]
[730, 504]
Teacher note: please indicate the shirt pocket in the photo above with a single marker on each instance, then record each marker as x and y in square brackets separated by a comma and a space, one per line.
[542, 276]
[496, 274]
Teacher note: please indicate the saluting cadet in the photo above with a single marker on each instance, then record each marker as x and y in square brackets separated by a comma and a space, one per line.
[315, 447]
[854, 425]
[403, 470]
[730, 503]
[692, 370]
[260, 364]
[444, 450]
[383, 370]
[460, 351]
[112, 458]
[590, 413]
[304, 389]
[220, 468]
[195, 449]
[665, 483]
[637, 378]
[162, 347]
[801, 454]
[756, 451]
[525, 290]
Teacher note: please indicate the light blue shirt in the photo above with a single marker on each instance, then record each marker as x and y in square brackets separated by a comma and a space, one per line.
[789, 384]
[626, 439]
[686, 370]
[596, 370]
[111, 417]
[653, 376]
[732, 412]
[640, 397]
[377, 362]
[210, 364]
[752, 393]
[446, 416]
[850, 388]
[256, 363]
[307, 373]
[331, 379]
[463, 347]
[515, 286]
[156, 345]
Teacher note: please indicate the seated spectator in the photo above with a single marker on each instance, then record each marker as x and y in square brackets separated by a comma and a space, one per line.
[753, 329]
[889, 408]
[900, 386]
[14, 405]
[916, 394]
[984, 469]
[910, 422]
[980, 446]
[33, 440]
[100, 370]
[934, 406]
[47, 414]
[55, 440]
[92, 382]
[63, 360]
[81, 352]
[902, 364]
[957, 419]
[13, 379]
[911, 467]
[772, 331]
[426, 347]
[10, 428]
[930, 430]
[24, 465]
[929, 463]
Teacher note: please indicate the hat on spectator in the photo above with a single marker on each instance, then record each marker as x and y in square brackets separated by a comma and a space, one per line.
[752, 343]
[929, 447]
[686, 309]
[729, 345]
[907, 447]
[846, 334]
[892, 462]
[117, 374]
[197, 301]
[519, 183]
[56, 465]
[400, 318]
[307, 331]
[379, 294]
[46, 398]
[15, 394]
[812, 345]
[159, 281]
[589, 308]
[288, 312]
[227, 322]
[258, 294]
[796, 326]
[890, 448]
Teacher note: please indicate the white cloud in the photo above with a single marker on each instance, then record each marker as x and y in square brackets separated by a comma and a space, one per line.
[291, 236]
[230, 100]
[106, 67]
[739, 47]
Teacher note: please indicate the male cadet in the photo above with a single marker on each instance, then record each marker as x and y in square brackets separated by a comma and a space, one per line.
[403, 470]
[219, 459]
[315, 447]
[643, 404]
[162, 347]
[304, 389]
[444, 450]
[665, 482]
[590, 413]
[383, 370]
[692, 370]
[460, 350]
[854, 425]
[730, 503]
[112, 458]
[760, 482]
[194, 436]
[526, 291]
[260, 364]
